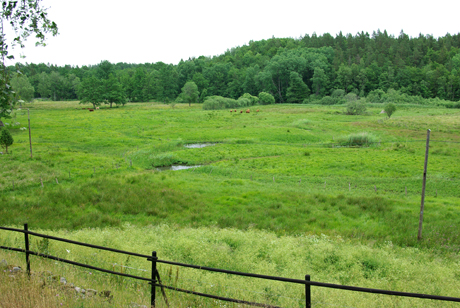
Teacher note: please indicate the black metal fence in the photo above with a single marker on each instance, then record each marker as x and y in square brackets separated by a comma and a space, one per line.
[155, 280]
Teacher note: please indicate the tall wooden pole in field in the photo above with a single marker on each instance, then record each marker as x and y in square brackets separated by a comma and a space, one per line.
[30, 136]
[419, 237]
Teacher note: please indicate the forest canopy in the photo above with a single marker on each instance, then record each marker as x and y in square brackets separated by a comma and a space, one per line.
[310, 68]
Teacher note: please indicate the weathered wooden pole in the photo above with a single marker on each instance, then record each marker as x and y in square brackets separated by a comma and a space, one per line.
[30, 135]
[419, 237]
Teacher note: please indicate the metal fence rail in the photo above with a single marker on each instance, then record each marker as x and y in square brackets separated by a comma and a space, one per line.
[157, 283]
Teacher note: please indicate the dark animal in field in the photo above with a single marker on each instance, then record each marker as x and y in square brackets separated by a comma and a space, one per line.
[257, 110]
[231, 110]
[83, 108]
[241, 111]
[248, 111]
[91, 110]
[235, 110]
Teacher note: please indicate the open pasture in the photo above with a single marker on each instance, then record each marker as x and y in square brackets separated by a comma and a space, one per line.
[283, 168]
[275, 192]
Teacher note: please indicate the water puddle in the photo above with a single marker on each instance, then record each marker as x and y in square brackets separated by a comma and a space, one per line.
[177, 167]
[198, 145]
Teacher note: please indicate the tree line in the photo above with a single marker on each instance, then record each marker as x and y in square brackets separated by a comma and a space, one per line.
[293, 70]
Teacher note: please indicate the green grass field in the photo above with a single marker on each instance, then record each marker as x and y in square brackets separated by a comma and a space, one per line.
[284, 172]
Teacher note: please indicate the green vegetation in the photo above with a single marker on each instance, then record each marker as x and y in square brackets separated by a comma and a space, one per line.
[257, 174]
[6, 139]
[266, 98]
[337, 196]
[330, 259]
[389, 108]
[189, 93]
[414, 69]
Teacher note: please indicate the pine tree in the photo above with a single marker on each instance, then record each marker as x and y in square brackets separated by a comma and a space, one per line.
[298, 90]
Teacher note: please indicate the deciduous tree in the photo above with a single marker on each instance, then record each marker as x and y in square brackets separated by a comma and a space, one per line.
[26, 17]
[22, 86]
[189, 93]
[6, 139]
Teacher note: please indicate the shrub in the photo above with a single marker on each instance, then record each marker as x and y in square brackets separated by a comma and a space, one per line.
[351, 97]
[327, 100]
[356, 107]
[389, 108]
[266, 98]
[376, 96]
[254, 99]
[338, 93]
[6, 139]
[218, 102]
[360, 140]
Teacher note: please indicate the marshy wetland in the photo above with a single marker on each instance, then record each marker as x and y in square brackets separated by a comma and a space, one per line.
[279, 190]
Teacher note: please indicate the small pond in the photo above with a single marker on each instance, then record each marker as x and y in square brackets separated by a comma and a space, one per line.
[177, 167]
[198, 145]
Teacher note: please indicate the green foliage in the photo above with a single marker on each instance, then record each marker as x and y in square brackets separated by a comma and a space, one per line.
[327, 100]
[266, 98]
[254, 99]
[203, 95]
[360, 140]
[6, 139]
[354, 106]
[219, 102]
[298, 90]
[91, 90]
[113, 91]
[22, 87]
[376, 96]
[320, 81]
[389, 108]
[425, 69]
[8, 97]
[25, 18]
[189, 93]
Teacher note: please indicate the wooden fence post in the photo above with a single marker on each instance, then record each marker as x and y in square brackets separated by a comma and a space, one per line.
[26, 238]
[153, 282]
[30, 134]
[307, 292]
[420, 222]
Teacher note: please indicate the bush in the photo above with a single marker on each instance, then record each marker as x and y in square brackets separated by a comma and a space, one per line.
[266, 98]
[356, 107]
[327, 100]
[5, 139]
[389, 108]
[360, 140]
[218, 102]
[338, 93]
[351, 97]
[376, 96]
[254, 99]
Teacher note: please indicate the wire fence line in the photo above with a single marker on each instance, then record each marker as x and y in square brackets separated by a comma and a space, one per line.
[155, 280]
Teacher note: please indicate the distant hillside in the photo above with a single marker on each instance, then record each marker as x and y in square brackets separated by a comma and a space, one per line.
[421, 66]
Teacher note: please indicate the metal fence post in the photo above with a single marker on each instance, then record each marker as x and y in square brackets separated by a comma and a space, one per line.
[307, 292]
[26, 238]
[153, 282]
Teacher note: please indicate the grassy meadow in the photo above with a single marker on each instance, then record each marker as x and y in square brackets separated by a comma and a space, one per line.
[276, 192]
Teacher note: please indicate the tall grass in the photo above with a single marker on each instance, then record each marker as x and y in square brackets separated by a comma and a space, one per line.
[330, 259]
[363, 139]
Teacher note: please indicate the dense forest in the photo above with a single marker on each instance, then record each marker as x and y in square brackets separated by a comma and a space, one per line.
[423, 66]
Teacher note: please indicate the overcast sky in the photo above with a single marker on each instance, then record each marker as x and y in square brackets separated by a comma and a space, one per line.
[139, 31]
